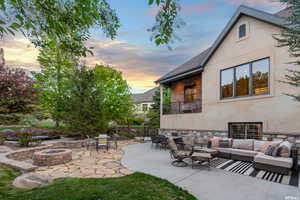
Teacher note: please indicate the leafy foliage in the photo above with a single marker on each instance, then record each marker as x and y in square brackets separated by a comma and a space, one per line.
[70, 21]
[56, 65]
[290, 37]
[24, 139]
[17, 94]
[117, 101]
[85, 109]
[67, 21]
[167, 20]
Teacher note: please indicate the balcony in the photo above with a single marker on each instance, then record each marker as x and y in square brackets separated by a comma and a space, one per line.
[182, 107]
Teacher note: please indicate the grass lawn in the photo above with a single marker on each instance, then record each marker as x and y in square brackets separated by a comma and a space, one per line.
[137, 186]
[42, 124]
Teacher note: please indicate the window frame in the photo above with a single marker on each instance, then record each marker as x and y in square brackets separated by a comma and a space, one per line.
[250, 80]
[230, 134]
[146, 106]
[239, 29]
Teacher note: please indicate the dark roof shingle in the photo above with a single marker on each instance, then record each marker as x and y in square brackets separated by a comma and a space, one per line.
[144, 97]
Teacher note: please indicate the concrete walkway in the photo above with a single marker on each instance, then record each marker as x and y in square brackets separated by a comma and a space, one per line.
[215, 184]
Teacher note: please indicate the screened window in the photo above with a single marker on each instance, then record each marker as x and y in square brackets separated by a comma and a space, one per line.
[242, 30]
[246, 80]
[245, 130]
[260, 76]
[227, 83]
[190, 93]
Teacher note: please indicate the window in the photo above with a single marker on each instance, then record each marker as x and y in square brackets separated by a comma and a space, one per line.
[145, 107]
[242, 31]
[245, 80]
[245, 130]
[227, 83]
[190, 93]
[260, 76]
[242, 75]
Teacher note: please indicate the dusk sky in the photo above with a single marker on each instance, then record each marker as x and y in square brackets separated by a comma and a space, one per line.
[132, 52]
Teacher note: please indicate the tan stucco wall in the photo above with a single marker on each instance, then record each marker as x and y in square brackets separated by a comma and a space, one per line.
[278, 112]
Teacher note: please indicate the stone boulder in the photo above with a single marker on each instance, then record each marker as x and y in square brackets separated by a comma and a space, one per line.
[31, 180]
[7, 132]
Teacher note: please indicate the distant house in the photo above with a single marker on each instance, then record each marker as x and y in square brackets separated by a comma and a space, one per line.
[143, 101]
[233, 88]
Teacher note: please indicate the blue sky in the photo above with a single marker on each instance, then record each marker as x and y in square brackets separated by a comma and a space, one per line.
[133, 53]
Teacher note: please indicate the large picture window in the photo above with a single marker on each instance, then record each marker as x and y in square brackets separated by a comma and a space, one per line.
[245, 80]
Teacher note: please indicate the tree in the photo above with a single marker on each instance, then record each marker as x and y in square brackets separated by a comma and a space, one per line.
[17, 94]
[70, 20]
[56, 67]
[290, 38]
[154, 112]
[117, 101]
[85, 112]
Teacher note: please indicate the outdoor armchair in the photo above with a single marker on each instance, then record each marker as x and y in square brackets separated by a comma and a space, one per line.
[178, 156]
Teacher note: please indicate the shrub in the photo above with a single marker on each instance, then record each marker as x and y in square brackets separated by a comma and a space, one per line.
[2, 139]
[30, 120]
[24, 139]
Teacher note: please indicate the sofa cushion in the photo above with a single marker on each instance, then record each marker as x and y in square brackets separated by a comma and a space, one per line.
[225, 143]
[285, 149]
[224, 150]
[215, 142]
[274, 161]
[258, 144]
[242, 152]
[246, 144]
[265, 146]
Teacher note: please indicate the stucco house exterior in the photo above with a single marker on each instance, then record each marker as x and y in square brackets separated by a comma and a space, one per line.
[233, 88]
[143, 101]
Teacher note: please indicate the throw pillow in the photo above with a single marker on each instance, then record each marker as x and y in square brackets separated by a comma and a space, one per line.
[265, 146]
[215, 142]
[275, 151]
[285, 149]
[224, 143]
[270, 150]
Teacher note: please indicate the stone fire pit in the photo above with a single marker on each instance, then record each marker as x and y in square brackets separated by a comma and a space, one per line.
[52, 157]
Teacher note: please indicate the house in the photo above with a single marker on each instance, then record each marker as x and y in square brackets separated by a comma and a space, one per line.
[233, 88]
[143, 101]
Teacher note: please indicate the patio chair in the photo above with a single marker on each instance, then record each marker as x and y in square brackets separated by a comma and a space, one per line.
[102, 142]
[155, 140]
[163, 142]
[189, 142]
[177, 155]
[89, 142]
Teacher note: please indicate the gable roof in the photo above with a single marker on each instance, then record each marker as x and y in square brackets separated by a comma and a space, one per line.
[197, 63]
[144, 97]
[188, 67]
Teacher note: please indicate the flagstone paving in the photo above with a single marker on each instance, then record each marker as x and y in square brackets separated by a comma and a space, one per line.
[90, 164]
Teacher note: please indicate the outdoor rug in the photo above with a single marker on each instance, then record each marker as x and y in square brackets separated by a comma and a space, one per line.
[246, 168]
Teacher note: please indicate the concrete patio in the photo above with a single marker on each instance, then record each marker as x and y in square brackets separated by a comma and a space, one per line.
[215, 184]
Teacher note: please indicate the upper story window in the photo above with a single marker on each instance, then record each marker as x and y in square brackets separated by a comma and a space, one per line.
[242, 31]
[190, 93]
[246, 80]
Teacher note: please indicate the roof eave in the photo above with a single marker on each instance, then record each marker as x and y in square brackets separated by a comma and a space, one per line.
[179, 76]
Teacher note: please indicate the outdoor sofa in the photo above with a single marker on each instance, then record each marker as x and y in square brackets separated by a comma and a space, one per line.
[255, 151]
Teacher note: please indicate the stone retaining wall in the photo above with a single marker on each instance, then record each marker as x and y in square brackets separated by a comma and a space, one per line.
[26, 154]
[224, 134]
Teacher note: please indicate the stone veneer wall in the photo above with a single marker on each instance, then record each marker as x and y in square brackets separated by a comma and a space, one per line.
[224, 134]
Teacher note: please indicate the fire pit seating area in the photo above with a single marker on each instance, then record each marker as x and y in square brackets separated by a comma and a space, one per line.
[275, 156]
